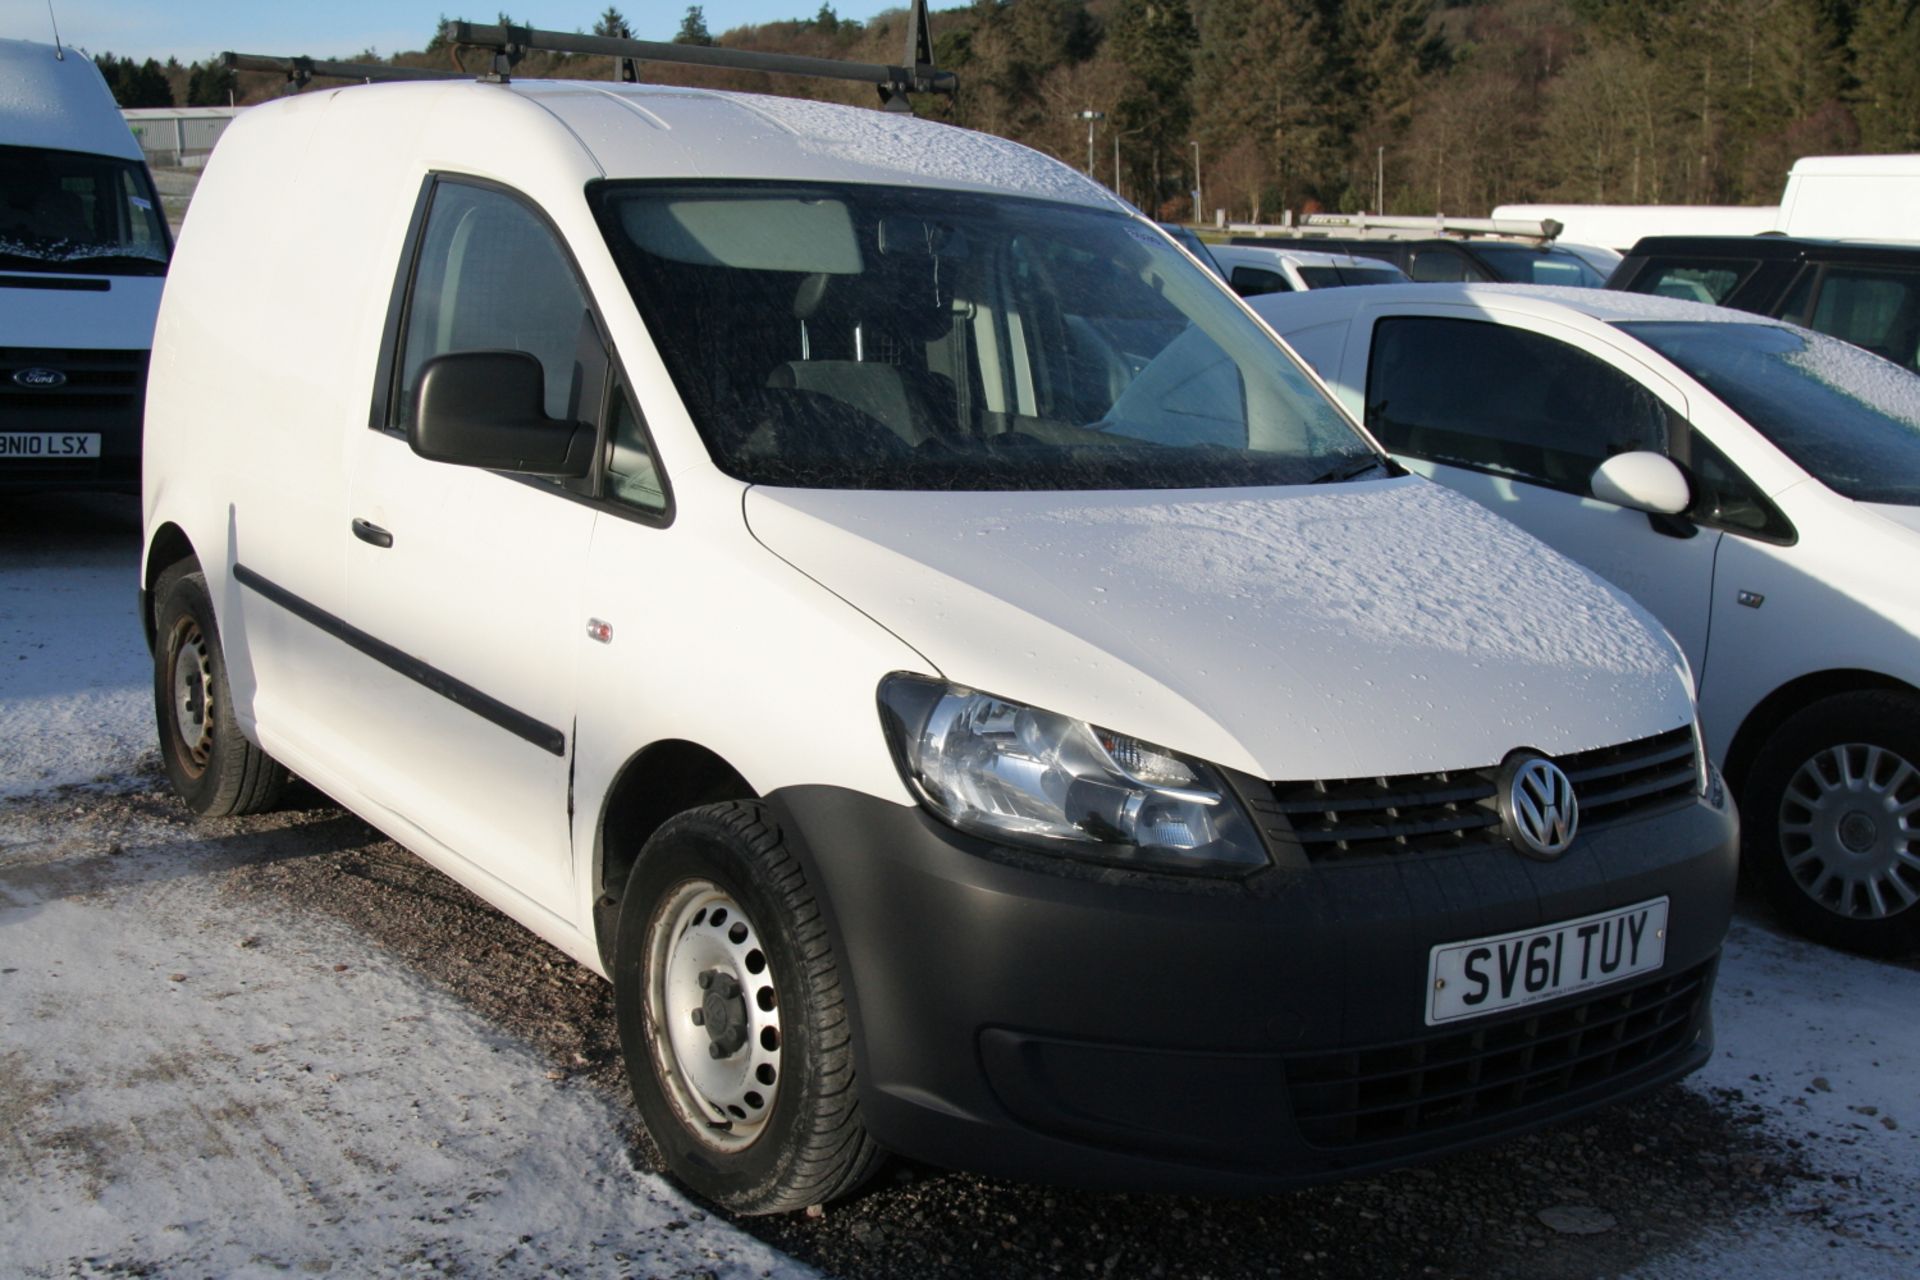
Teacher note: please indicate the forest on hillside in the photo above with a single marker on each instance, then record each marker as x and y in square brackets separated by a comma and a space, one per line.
[1451, 106]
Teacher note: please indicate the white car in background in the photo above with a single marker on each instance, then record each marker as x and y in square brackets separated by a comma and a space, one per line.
[1754, 484]
[1253, 270]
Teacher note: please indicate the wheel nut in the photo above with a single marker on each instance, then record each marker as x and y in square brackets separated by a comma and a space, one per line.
[715, 1052]
[706, 980]
[699, 1017]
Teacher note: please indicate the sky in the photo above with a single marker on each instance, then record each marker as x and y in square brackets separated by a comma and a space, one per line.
[191, 30]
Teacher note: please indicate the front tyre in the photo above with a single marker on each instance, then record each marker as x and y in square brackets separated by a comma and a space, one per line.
[732, 1019]
[213, 766]
[1831, 813]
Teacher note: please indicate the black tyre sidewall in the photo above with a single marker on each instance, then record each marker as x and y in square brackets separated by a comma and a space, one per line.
[222, 787]
[701, 845]
[1889, 720]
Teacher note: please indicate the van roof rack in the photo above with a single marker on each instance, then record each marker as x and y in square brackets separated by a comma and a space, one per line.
[301, 70]
[1373, 226]
[1439, 225]
[507, 44]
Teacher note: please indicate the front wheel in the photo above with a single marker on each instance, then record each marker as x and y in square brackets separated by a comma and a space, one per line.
[732, 1019]
[1831, 812]
[213, 766]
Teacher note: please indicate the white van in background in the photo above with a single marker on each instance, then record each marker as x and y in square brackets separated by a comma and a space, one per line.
[1621, 226]
[1853, 198]
[83, 254]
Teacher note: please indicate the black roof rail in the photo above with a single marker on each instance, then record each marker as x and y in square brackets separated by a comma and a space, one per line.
[508, 44]
[300, 70]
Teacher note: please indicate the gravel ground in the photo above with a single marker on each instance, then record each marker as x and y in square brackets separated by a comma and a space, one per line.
[1596, 1197]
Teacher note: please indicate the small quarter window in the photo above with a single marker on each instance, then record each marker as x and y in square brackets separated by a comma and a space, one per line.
[633, 477]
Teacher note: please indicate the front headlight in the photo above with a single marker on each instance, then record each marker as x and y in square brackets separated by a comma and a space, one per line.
[1024, 776]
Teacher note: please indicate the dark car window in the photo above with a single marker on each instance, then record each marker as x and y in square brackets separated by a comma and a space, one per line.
[860, 336]
[491, 277]
[1436, 265]
[1524, 264]
[1852, 421]
[1709, 282]
[1251, 282]
[1551, 415]
[1875, 307]
[71, 211]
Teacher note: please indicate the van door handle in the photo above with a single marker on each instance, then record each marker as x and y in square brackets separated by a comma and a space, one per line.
[369, 532]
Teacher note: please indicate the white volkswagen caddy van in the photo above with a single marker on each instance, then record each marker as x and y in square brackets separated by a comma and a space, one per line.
[863, 590]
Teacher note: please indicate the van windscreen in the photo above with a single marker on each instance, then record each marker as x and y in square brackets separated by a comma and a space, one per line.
[881, 338]
[73, 211]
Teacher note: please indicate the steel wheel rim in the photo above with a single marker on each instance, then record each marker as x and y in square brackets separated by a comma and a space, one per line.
[190, 687]
[1850, 830]
[699, 932]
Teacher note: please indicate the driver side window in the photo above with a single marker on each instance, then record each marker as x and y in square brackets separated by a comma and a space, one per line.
[491, 277]
[1550, 414]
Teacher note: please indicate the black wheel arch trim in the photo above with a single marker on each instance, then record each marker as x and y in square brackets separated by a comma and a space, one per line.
[457, 691]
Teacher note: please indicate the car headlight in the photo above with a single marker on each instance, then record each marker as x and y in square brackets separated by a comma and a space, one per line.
[1017, 774]
[1703, 769]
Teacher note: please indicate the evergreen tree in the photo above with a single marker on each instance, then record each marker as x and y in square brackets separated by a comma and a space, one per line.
[1154, 42]
[144, 85]
[613, 25]
[1264, 90]
[693, 27]
[210, 84]
[1886, 69]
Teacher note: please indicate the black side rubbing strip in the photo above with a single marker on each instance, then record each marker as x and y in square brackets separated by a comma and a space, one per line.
[460, 693]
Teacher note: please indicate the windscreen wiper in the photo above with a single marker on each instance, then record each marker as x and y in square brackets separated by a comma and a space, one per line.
[1356, 468]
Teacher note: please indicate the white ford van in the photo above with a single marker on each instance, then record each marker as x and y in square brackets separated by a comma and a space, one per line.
[862, 589]
[83, 253]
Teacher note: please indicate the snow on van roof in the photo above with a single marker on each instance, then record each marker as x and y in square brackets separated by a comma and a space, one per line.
[59, 102]
[749, 135]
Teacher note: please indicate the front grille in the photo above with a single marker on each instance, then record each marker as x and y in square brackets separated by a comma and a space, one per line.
[1417, 813]
[1457, 1078]
[96, 380]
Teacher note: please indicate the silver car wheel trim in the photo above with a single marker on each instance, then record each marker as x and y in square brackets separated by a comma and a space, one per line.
[713, 1017]
[1850, 830]
[193, 695]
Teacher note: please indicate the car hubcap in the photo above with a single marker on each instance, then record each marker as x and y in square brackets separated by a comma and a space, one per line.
[1850, 831]
[713, 1015]
[192, 696]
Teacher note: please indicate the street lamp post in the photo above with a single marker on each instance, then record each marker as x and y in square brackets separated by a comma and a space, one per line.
[1092, 118]
[1197, 220]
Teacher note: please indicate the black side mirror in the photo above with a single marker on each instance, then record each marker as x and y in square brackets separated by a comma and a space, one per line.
[488, 409]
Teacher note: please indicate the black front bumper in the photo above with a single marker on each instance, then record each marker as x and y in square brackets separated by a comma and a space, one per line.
[101, 393]
[1024, 1017]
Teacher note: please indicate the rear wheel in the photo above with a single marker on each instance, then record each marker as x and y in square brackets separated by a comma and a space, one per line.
[732, 1020]
[1832, 818]
[213, 766]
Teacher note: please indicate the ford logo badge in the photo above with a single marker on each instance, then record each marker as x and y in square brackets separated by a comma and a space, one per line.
[40, 378]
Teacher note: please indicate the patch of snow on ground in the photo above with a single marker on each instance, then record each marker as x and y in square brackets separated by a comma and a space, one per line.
[1829, 1045]
[76, 693]
[200, 1088]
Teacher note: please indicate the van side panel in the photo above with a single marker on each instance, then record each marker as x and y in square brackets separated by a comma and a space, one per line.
[264, 364]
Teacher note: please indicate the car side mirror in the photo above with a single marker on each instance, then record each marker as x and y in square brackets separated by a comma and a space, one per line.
[1642, 481]
[488, 409]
